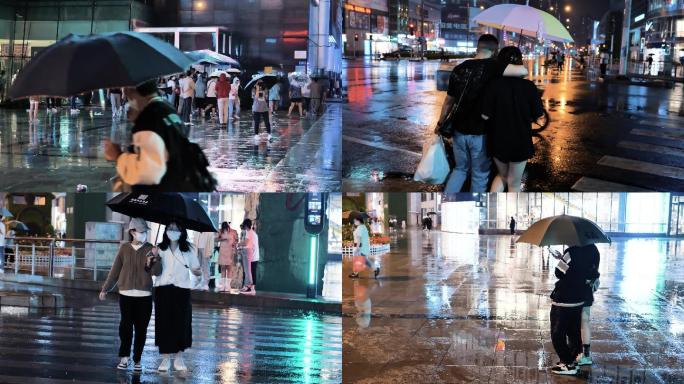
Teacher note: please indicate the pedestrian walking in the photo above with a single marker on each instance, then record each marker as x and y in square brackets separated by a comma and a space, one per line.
[254, 263]
[200, 93]
[205, 250]
[649, 64]
[53, 103]
[561, 61]
[131, 274]
[509, 106]
[464, 96]
[362, 246]
[34, 106]
[295, 99]
[171, 86]
[160, 157]
[316, 95]
[260, 109]
[248, 245]
[187, 92]
[274, 98]
[234, 99]
[228, 241]
[306, 98]
[114, 95]
[222, 93]
[511, 225]
[211, 100]
[175, 259]
[604, 64]
[567, 298]
[592, 255]
[3, 233]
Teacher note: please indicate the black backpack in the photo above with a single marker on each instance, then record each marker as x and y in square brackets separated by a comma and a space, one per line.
[187, 168]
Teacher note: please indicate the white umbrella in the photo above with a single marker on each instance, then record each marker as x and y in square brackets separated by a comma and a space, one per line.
[526, 20]
[233, 70]
[216, 57]
[298, 78]
[218, 73]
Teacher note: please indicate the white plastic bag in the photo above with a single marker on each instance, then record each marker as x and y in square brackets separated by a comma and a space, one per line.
[434, 166]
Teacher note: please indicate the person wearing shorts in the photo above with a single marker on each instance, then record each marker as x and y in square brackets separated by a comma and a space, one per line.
[295, 99]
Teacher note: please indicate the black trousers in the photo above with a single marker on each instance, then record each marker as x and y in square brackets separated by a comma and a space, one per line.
[566, 334]
[135, 313]
[173, 319]
[257, 121]
[254, 267]
[186, 109]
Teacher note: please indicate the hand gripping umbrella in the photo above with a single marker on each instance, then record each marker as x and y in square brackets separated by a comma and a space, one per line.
[164, 208]
[78, 64]
[563, 230]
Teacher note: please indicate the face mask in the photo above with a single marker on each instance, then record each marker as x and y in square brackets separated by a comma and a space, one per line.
[173, 235]
[140, 236]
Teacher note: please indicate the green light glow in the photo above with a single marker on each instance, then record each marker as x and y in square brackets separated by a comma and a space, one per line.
[312, 259]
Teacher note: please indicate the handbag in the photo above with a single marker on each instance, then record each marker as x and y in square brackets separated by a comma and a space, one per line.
[359, 264]
[434, 165]
[448, 132]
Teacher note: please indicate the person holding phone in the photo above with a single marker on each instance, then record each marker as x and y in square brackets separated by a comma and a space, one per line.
[175, 259]
[130, 272]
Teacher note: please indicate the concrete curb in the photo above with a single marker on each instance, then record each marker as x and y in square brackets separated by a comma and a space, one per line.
[263, 300]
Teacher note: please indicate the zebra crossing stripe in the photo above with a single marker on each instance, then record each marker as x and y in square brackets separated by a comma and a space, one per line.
[643, 167]
[590, 184]
[647, 147]
[661, 134]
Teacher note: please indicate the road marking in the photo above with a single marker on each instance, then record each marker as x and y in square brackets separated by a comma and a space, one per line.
[381, 146]
[662, 124]
[661, 134]
[646, 147]
[589, 184]
[643, 167]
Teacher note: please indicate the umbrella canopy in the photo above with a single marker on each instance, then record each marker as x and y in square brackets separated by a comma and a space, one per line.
[431, 213]
[298, 78]
[17, 225]
[233, 70]
[563, 230]
[199, 57]
[5, 213]
[78, 64]
[268, 78]
[218, 73]
[211, 57]
[164, 208]
[526, 20]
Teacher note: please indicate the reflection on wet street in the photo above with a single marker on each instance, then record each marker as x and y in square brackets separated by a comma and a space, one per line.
[450, 308]
[230, 345]
[63, 150]
[602, 136]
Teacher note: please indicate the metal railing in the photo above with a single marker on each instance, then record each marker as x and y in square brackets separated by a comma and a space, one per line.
[75, 259]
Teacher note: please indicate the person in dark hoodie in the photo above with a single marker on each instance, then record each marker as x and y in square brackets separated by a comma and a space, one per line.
[568, 296]
[591, 253]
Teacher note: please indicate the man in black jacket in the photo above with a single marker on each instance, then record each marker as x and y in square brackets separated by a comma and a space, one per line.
[568, 298]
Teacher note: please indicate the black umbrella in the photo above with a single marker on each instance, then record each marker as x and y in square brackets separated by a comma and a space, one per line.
[164, 208]
[78, 64]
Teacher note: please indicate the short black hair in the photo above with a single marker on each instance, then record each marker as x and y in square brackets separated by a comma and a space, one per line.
[247, 223]
[147, 88]
[510, 55]
[488, 42]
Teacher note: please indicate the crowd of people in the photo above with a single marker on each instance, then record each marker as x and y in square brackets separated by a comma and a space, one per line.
[164, 275]
[487, 117]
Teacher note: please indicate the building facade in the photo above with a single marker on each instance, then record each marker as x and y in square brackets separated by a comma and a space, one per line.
[459, 32]
[657, 31]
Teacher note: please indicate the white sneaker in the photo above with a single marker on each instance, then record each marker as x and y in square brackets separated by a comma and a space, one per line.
[564, 369]
[165, 364]
[123, 363]
[179, 364]
[584, 360]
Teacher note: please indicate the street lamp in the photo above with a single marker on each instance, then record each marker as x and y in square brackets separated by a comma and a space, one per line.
[568, 8]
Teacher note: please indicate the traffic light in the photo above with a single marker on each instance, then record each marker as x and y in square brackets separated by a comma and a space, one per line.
[412, 30]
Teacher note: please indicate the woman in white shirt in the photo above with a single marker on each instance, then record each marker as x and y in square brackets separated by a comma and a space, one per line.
[234, 99]
[175, 259]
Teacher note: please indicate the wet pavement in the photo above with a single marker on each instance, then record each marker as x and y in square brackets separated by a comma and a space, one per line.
[230, 345]
[63, 150]
[602, 136]
[452, 308]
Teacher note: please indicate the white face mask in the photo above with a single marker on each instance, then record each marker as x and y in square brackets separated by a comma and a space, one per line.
[173, 235]
[140, 236]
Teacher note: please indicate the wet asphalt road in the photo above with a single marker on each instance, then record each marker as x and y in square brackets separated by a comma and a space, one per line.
[80, 344]
[63, 150]
[450, 308]
[602, 137]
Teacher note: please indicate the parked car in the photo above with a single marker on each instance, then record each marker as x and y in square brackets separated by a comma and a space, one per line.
[404, 52]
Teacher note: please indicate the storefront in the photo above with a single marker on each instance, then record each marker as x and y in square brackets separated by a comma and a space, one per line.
[367, 29]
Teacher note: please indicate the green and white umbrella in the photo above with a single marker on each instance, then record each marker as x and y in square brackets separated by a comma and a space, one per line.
[526, 20]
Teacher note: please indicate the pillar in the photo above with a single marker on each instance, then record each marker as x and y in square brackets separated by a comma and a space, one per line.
[624, 48]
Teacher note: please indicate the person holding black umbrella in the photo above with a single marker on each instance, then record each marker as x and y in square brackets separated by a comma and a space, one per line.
[175, 259]
[130, 272]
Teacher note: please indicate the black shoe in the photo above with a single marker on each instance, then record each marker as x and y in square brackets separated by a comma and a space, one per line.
[354, 275]
[376, 272]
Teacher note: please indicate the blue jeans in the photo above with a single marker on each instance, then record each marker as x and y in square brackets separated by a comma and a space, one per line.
[471, 157]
